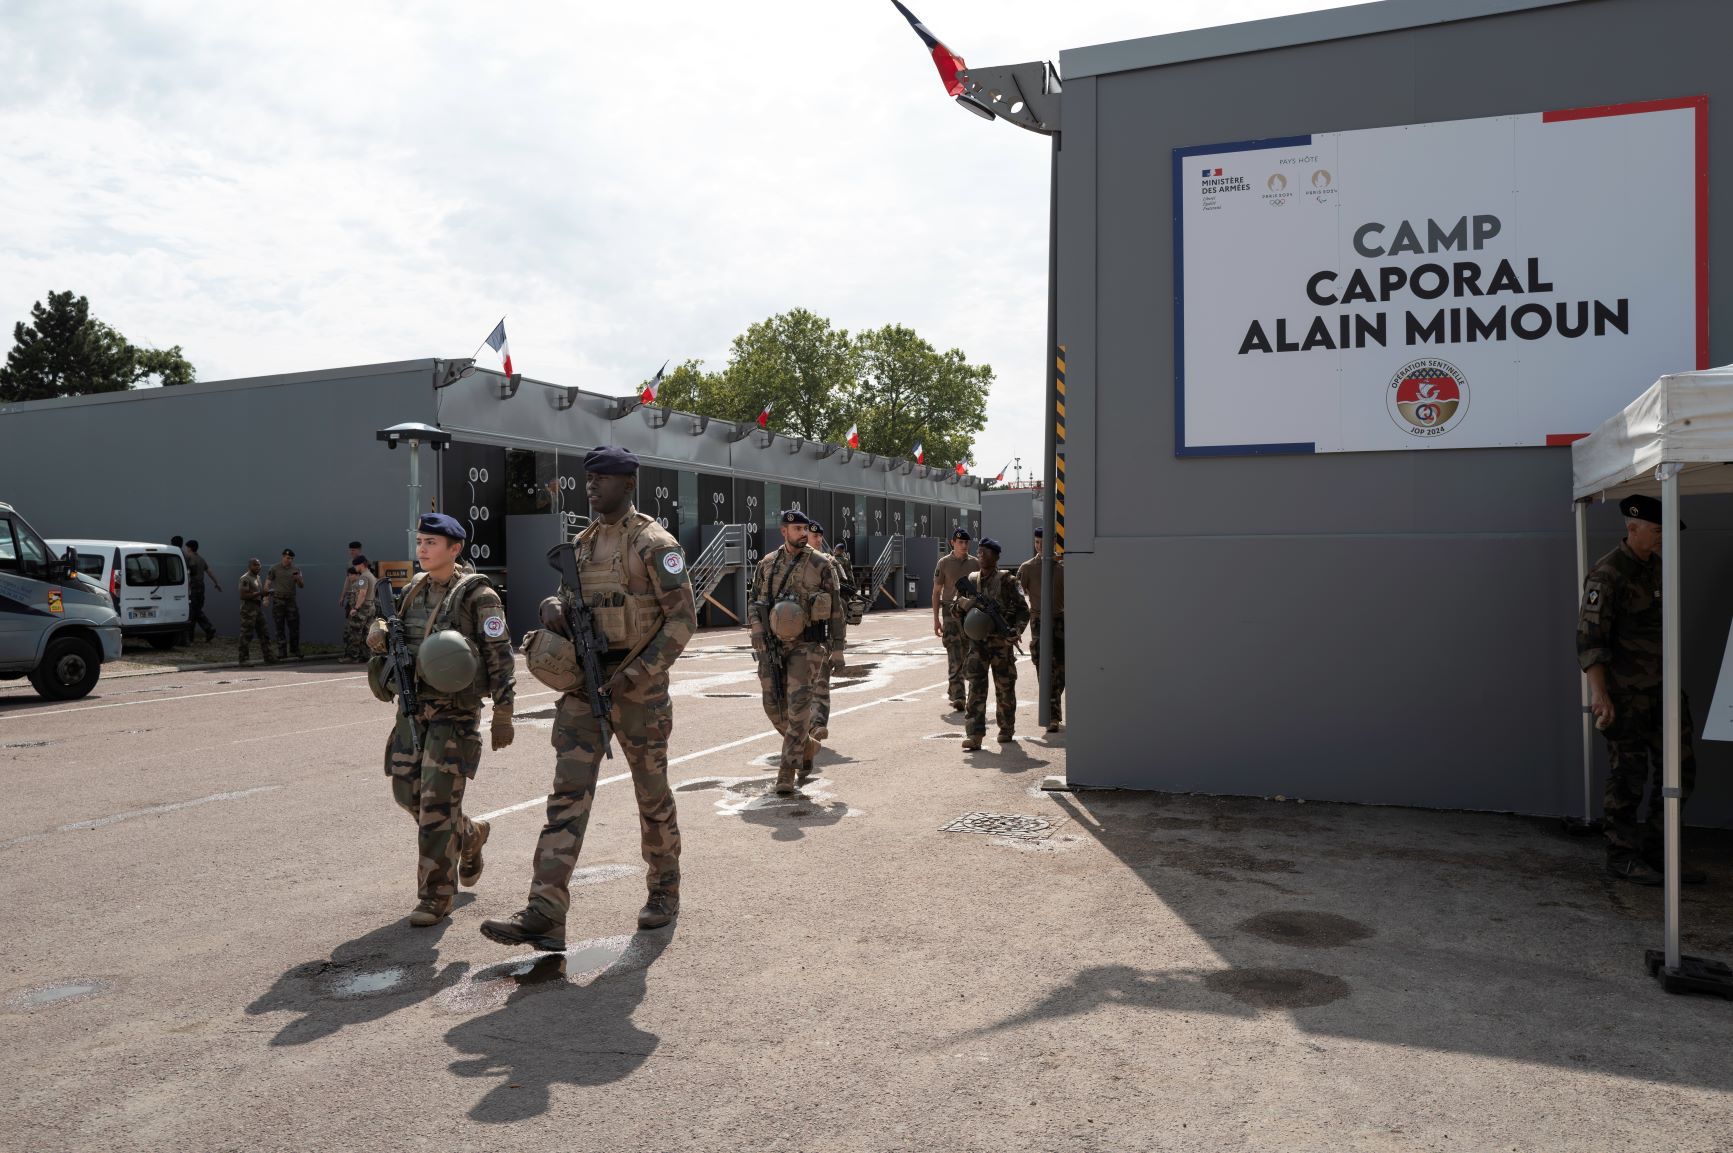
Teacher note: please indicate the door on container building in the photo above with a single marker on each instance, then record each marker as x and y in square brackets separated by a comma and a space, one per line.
[472, 488]
[534, 524]
[659, 496]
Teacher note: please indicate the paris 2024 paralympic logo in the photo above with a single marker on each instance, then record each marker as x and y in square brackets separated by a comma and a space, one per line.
[1427, 397]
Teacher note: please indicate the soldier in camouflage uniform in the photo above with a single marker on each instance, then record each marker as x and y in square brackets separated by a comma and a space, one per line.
[1029, 576]
[947, 625]
[634, 576]
[198, 571]
[430, 787]
[284, 581]
[996, 652]
[1619, 648]
[845, 589]
[255, 598]
[359, 609]
[797, 586]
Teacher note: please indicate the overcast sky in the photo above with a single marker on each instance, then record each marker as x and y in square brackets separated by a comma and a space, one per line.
[278, 188]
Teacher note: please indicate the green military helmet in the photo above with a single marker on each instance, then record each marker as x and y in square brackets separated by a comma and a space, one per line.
[786, 620]
[382, 678]
[447, 661]
[977, 625]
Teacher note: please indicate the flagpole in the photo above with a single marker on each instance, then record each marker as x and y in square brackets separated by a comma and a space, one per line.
[1044, 667]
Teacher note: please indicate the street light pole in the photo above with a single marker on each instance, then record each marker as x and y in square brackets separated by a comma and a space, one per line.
[413, 434]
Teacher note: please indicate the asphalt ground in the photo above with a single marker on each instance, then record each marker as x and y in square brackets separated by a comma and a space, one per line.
[205, 947]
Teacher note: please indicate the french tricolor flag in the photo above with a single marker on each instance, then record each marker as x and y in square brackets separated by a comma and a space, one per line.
[920, 453]
[947, 62]
[853, 437]
[764, 415]
[496, 341]
[648, 396]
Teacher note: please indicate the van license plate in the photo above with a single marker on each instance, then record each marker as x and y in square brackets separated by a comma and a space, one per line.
[141, 614]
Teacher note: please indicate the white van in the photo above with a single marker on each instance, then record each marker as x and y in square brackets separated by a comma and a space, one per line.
[147, 582]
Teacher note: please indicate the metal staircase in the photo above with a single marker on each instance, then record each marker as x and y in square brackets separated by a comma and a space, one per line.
[890, 561]
[725, 553]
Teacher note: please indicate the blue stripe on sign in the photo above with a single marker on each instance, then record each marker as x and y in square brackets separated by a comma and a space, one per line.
[1180, 156]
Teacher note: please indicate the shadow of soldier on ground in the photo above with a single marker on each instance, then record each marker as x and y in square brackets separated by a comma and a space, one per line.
[567, 1019]
[1011, 757]
[373, 976]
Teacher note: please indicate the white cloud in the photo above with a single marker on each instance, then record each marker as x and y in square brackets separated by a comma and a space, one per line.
[278, 188]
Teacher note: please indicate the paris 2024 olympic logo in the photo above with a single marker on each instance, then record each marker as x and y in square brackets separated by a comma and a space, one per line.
[1427, 397]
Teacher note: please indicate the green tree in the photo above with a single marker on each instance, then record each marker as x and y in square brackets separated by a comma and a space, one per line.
[688, 388]
[909, 394]
[64, 351]
[797, 363]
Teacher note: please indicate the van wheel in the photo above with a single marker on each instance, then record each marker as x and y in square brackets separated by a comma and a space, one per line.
[68, 670]
[163, 641]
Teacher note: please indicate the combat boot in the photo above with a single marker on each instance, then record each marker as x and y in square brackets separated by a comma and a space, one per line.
[784, 780]
[529, 927]
[1054, 726]
[662, 907]
[971, 744]
[429, 913]
[469, 862]
[1633, 869]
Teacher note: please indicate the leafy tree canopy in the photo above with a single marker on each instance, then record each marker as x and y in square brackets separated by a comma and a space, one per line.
[65, 351]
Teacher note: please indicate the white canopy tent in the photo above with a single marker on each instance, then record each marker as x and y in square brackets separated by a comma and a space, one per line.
[1676, 438]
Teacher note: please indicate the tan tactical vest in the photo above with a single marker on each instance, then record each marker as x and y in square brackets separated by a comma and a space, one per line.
[421, 616]
[625, 617]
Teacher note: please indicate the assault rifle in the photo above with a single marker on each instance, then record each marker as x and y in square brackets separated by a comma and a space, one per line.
[587, 638]
[966, 587]
[402, 662]
[773, 654]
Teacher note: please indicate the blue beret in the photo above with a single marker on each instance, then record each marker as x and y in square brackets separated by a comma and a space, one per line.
[989, 542]
[795, 516]
[1039, 531]
[438, 524]
[960, 534]
[611, 460]
[814, 526]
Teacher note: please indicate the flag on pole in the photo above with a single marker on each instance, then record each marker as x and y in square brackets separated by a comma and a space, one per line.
[1001, 475]
[648, 396]
[920, 456]
[764, 414]
[959, 468]
[853, 436]
[947, 62]
[496, 341]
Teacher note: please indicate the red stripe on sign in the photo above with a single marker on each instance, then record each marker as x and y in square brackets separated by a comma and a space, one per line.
[1700, 104]
[1672, 105]
[1555, 439]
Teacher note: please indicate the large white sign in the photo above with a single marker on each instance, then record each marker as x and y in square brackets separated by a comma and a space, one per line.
[1474, 283]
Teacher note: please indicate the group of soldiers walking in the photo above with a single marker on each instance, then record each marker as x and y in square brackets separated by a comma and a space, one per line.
[979, 612]
[631, 611]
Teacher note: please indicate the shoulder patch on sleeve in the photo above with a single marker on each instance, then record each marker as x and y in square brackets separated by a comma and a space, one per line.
[493, 627]
[670, 566]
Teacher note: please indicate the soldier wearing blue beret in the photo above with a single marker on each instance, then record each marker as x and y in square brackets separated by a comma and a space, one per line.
[455, 625]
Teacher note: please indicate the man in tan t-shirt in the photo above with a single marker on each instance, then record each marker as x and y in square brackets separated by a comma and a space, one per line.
[954, 564]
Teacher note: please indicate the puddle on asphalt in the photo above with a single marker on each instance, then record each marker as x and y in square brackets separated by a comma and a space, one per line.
[1278, 988]
[57, 994]
[599, 874]
[585, 962]
[365, 984]
[1305, 929]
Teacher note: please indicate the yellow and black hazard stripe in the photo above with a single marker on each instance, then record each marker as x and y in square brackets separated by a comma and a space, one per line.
[1059, 452]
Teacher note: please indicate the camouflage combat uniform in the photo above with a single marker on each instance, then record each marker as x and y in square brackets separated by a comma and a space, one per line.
[945, 576]
[251, 588]
[1029, 576]
[359, 610]
[845, 589]
[996, 653]
[198, 571]
[1619, 625]
[637, 572]
[285, 611]
[810, 580]
[431, 789]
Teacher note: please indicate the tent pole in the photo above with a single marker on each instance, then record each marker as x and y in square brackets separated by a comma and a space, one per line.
[1588, 717]
[1671, 719]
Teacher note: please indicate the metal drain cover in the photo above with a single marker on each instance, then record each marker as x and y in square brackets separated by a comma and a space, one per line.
[1004, 825]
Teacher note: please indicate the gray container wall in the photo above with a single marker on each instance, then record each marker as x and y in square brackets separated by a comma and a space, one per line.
[244, 467]
[1390, 627]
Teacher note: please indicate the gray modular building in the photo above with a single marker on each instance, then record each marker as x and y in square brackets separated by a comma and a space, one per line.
[1377, 626]
[250, 467]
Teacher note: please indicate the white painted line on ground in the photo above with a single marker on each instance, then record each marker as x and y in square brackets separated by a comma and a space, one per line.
[304, 732]
[185, 697]
[534, 801]
[101, 822]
